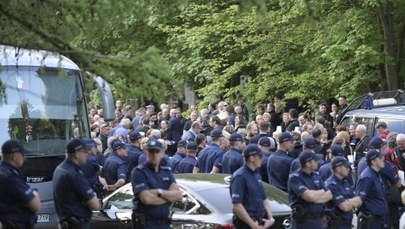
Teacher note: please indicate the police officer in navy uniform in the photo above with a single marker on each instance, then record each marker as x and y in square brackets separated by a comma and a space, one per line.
[267, 146]
[325, 171]
[370, 188]
[250, 204]
[307, 193]
[74, 198]
[134, 152]
[154, 189]
[209, 154]
[92, 167]
[114, 173]
[233, 159]
[187, 164]
[391, 181]
[278, 164]
[344, 199]
[18, 202]
[179, 155]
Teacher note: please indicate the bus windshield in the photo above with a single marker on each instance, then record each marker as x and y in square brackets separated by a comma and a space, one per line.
[41, 107]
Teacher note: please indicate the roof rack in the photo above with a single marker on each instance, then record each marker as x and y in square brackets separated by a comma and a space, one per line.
[375, 99]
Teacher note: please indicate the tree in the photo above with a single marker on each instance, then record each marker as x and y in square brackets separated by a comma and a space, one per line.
[310, 50]
[98, 35]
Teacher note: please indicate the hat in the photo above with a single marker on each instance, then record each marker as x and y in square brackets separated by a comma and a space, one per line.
[376, 143]
[154, 144]
[251, 149]
[75, 144]
[118, 145]
[13, 146]
[373, 154]
[192, 146]
[284, 137]
[337, 150]
[264, 141]
[235, 137]
[216, 133]
[134, 135]
[339, 161]
[90, 143]
[306, 156]
[309, 142]
[182, 143]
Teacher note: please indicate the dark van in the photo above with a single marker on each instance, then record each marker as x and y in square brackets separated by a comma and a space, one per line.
[368, 109]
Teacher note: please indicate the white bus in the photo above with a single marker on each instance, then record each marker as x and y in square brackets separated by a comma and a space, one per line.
[42, 104]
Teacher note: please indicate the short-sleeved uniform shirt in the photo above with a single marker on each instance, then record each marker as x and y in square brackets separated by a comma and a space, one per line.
[278, 169]
[90, 169]
[388, 174]
[204, 159]
[114, 169]
[186, 165]
[14, 193]
[247, 189]
[232, 161]
[144, 178]
[371, 190]
[218, 161]
[214, 156]
[70, 190]
[174, 161]
[298, 183]
[131, 161]
[341, 191]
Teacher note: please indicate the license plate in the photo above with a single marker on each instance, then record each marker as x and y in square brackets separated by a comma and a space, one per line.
[43, 218]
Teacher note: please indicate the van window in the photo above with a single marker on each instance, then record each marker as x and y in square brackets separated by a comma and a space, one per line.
[394, 125]
[369, 122]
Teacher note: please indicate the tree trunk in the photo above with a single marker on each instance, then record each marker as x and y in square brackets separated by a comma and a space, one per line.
[387, 21]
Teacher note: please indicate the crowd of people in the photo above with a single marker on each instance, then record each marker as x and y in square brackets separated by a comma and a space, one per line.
[327, 169]
[330, 172]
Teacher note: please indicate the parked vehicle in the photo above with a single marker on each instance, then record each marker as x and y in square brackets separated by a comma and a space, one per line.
[368, 109]
[43, 105]
[206, 203]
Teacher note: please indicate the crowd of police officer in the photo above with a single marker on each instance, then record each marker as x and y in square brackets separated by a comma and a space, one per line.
[315, 172]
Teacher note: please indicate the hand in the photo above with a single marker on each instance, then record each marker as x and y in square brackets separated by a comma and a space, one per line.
[268, 222]
[256, 226]
[109, 187]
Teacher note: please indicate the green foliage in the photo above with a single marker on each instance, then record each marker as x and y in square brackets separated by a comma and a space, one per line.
[110, 39]
[310, 50]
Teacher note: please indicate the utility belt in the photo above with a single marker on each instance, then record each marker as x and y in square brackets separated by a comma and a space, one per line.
[98, 189]
[300, 214]
[29, 224]
[335, 221]
[240, 224]
[139, 221]
[74, 223]
[364, 217]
